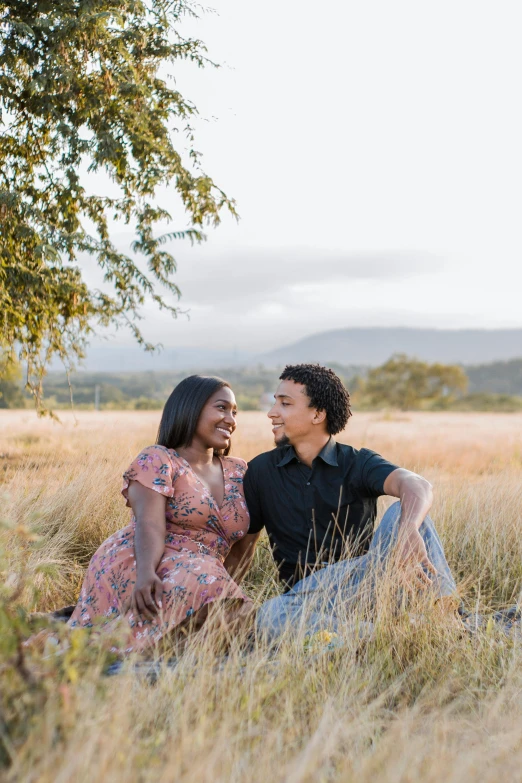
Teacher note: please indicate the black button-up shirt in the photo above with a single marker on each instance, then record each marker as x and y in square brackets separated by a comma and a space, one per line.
[312, 514]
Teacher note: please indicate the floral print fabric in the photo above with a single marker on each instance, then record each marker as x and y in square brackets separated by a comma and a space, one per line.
[199, 535]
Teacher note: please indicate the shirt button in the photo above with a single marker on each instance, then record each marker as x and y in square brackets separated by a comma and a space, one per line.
[307, 483]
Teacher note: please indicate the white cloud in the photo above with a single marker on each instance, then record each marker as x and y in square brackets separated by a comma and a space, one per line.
[374, 151]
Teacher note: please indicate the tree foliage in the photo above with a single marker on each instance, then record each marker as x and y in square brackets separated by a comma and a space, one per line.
[82, 91]
[407, 384]
[11, 395]
[496, 377]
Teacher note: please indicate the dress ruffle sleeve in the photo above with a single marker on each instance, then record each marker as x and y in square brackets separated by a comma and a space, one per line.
[154, 468]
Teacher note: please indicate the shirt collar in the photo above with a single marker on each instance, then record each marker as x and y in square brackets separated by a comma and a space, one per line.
[328, 454]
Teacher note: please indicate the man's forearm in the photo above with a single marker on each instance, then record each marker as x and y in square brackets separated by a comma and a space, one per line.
[238, 560]
[237, 565]
[416, 501]
[415, 494]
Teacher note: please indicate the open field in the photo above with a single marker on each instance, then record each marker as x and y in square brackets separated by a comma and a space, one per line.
[420, 701]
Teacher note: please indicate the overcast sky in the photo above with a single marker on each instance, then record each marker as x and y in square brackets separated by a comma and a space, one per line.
[374, 150]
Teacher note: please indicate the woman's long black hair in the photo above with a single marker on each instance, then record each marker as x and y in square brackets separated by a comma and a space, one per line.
[183, 409]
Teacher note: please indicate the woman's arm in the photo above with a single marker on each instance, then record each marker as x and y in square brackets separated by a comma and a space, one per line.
[149, 544]
[238, 560]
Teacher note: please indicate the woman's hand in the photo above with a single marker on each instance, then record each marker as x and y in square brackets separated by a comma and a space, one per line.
[145, 601]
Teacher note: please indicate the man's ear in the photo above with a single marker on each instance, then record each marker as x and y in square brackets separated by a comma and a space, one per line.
[319, 417]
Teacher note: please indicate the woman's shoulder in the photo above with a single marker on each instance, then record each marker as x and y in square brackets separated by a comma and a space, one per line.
[156, 450]
[155, 468]
[159, 454]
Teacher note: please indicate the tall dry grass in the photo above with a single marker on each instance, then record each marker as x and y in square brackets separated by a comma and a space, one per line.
[417, 700]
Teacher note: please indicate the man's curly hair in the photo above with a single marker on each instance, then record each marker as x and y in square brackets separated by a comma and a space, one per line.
[325, 390]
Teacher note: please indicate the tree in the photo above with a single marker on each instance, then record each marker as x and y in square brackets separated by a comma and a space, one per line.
[82, 91]
[407, 384]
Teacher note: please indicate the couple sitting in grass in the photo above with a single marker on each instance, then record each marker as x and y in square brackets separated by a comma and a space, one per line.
[197, 513]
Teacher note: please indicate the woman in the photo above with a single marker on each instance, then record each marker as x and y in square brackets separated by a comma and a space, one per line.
[187, 545]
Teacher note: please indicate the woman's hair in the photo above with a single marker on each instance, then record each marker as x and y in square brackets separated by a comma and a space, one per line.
[182, 410]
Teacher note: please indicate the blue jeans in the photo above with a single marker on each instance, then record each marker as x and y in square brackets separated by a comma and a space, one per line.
[321, 601]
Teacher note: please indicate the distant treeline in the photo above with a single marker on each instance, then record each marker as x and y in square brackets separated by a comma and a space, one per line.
[149, 390]
[496, 378]
[496, 386]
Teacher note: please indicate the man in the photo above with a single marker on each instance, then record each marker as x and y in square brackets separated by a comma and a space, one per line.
[317, 500]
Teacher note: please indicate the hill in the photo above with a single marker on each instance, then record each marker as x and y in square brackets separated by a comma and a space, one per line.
[370, 346]
[374, 345]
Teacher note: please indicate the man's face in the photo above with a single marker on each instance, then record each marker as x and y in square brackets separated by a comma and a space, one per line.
[291, 415]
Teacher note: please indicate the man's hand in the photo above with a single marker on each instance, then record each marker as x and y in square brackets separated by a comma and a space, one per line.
[412, 556]
[145, 601]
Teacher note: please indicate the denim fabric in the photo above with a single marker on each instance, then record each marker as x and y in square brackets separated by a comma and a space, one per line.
[314, 603]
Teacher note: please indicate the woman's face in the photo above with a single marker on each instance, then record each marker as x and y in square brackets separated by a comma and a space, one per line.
[217, 420]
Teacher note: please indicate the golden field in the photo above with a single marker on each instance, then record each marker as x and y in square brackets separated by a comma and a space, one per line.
[419, 701]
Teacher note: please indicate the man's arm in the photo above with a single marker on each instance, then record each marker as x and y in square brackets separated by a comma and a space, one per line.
[414, 492]
[251, 490]
[238, 560]
[416, 496]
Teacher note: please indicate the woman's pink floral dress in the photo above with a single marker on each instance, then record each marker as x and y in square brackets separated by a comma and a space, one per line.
[198, 538]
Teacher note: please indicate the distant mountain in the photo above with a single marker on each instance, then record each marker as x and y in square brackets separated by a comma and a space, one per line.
[116, 357]
[372, 346]
[349, 347]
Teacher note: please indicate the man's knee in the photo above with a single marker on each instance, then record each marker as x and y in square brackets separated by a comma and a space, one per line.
[392, 517]
[392, 514]
[387, 531]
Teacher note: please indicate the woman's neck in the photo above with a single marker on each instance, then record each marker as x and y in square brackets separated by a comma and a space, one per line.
[197, 454]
